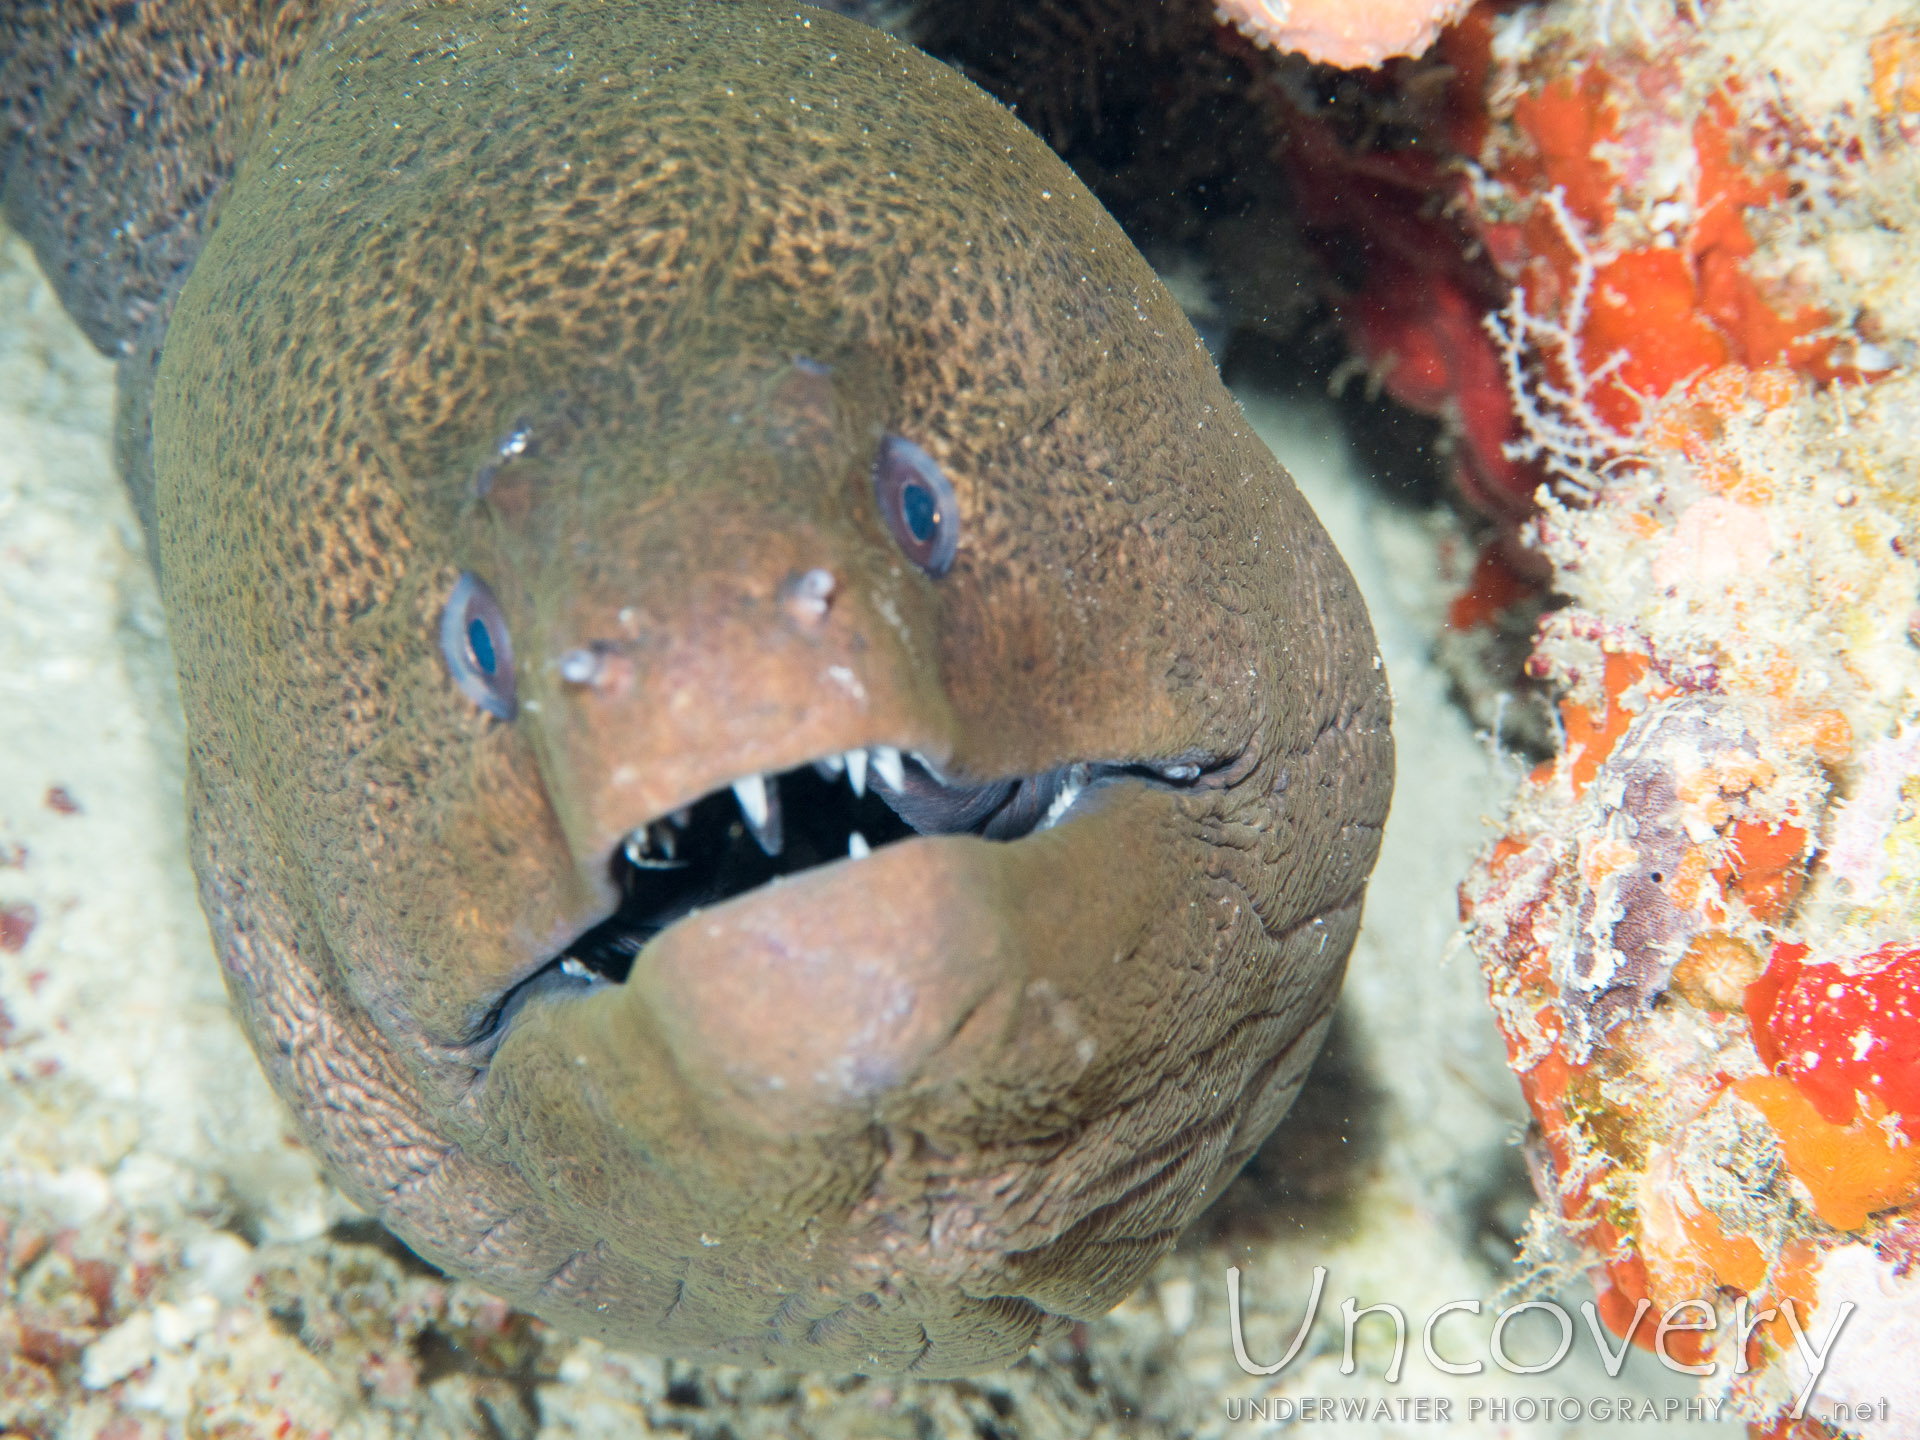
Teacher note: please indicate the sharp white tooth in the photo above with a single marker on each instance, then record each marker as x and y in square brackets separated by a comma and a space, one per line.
[928, 766]
[1062, 803]
[857, 771]
[653, 847]
[574, 970]
[830, 767]
[760, 806]
[1070, 788]
[752, 795]
[887, 765]
[857, 847]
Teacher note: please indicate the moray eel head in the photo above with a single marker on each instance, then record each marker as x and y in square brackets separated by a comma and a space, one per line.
[778, 774]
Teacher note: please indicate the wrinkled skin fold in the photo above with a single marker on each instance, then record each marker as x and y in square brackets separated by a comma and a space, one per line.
[912, 1110]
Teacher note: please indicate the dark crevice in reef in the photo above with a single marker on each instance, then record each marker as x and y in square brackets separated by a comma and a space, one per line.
[375, 1236]
[1169, 127]
[1306, 1174]
[1407, 454]
[1499, 1210]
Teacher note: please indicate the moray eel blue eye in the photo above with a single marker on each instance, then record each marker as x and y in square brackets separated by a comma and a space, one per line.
[917, 503]
[481, 644]
[920, 510]
[475, 644]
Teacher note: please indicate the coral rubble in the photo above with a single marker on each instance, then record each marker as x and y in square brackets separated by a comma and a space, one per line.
[1700, 926]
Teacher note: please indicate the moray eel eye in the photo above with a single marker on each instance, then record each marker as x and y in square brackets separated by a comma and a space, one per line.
[917, 503]
[475, 644]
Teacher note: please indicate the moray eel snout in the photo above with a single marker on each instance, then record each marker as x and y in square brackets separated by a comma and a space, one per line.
[776, 772]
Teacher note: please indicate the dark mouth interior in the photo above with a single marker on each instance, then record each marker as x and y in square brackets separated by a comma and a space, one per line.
[716, 857]
[710, 852]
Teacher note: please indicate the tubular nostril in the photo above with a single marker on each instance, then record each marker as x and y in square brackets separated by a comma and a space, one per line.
[580, 667]
[809, 597]
[600, 665]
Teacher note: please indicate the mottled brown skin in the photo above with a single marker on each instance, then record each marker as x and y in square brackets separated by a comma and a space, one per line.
[912, 1111]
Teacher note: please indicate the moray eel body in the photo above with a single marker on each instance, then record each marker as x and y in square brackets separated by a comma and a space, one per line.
[776, 773]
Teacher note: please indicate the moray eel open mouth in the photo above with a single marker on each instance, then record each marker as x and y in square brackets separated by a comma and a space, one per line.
[763, 828]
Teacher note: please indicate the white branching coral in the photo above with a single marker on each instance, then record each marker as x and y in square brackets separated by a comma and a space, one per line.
[1548, 377]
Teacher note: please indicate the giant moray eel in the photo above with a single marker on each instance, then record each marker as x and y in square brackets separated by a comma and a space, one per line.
[776, 773]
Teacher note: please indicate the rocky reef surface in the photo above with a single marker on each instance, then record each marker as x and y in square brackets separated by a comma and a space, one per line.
[1702, 922]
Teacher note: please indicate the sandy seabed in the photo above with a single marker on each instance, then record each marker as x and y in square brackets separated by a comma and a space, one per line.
[175, 1264]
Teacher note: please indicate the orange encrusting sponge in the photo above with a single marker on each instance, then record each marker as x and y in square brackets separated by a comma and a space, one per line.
[1850, 1170]
[1667, 312]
